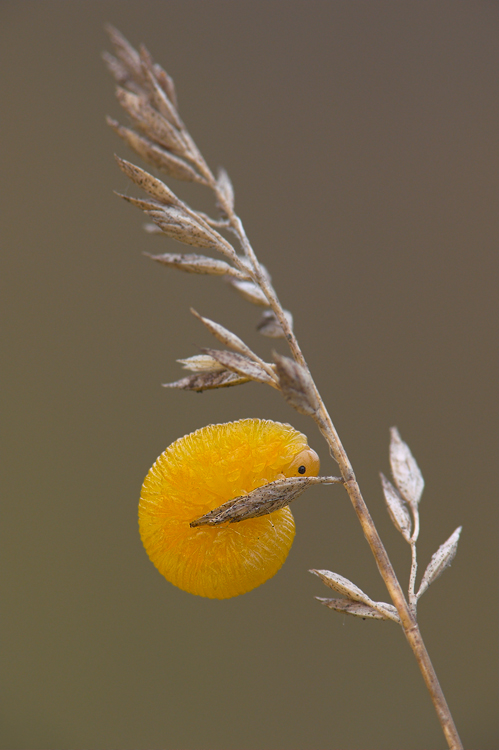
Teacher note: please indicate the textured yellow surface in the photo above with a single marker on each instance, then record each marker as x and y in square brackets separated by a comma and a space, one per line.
[203, 470]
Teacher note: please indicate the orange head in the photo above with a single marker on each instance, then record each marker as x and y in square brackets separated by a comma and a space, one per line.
[306, 463]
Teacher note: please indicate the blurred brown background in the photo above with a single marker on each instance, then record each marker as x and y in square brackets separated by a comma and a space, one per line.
[361, 140]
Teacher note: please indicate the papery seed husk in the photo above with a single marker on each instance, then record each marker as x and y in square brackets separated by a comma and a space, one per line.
[260, 502]
[201, 363]
[120, 73]
[205, 381]
[440, 560]
[269, 325]
[225, 187]
[151, 122]
[167, 84]
[397, 509]
[190, 262]
[241, 365]
[350, 607]
[178, 224]
[130, 59]
[157, 95]
[251, 292]
[296, 385]
[156, 188]
[144, 205]
[127, 55]
[342, 586]
[193, 263]
[406, 472]
[225, 336]
[156, 156]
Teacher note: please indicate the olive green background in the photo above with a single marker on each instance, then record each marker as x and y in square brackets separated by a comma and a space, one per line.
[361, 140]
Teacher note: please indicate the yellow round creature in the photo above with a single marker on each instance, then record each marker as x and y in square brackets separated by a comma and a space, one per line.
[200, 472]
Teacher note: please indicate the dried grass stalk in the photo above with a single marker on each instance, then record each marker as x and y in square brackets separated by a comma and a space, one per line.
[147, 94]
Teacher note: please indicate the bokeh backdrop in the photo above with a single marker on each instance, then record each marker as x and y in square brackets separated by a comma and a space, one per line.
[361, 138]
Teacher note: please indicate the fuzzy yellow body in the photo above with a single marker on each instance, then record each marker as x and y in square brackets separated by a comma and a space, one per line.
[200, 472]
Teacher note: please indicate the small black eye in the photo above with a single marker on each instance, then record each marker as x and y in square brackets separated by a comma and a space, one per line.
[302, 469]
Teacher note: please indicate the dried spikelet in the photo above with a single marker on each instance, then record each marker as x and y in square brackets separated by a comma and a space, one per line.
[166, 83]
[225, 336]
[261, 501]
[130, 67]
[296, 385]
[206, 381]
[201, 363]
[157, 156]
[176, 222]
[440, 561]
[119, 72]
[226, 190]
[342, 585]
[216, 224]
[269, 325]
[154, 125]
[397, 508]
[376, 610]
[242, 366]
[406, 472]
[351, 607]
[156, 188]
[171, 215]
[157, 95]
[250, 291]
[127, 56]
[232, 341]
[195, 263]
